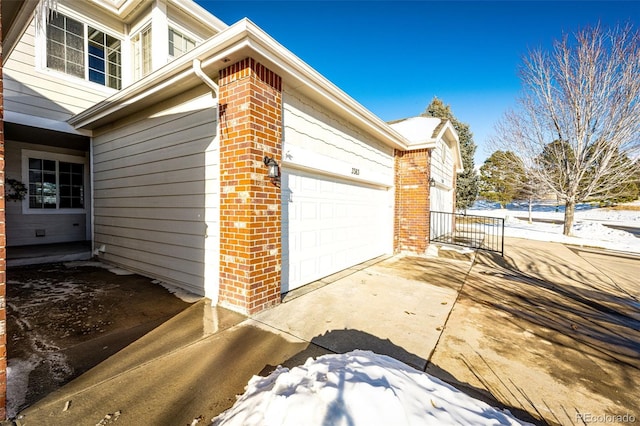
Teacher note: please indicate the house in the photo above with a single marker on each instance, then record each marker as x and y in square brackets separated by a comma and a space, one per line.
[441, 138]
[205, 155]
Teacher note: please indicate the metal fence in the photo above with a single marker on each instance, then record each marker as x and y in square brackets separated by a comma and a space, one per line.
[477, 232]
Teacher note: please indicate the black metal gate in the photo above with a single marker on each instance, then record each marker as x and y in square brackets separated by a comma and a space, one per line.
[477, 232]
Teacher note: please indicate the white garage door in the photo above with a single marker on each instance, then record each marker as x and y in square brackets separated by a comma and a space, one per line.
[330, 224]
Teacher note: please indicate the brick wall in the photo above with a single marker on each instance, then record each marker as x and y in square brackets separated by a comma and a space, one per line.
[250, 108]
[3, 257]
[412, 201]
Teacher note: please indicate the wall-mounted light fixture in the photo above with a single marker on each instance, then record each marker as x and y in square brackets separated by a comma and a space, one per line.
[432, 182]
[274, 170]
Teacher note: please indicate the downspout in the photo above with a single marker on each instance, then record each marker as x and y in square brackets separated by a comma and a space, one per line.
[212, 243]
[197, 68]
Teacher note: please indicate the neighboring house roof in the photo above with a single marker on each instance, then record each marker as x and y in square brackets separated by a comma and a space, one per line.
[424, 132]
[242, 39]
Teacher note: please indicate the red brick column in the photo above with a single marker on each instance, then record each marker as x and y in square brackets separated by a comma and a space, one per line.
[250, 103]
[3, 257]
[411, 227]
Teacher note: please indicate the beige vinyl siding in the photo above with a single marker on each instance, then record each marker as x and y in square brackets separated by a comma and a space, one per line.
[442, 164]
[442, 169]
[45, 93]
[180, 20]
[315, 130]
[155, 183]
[58, 227]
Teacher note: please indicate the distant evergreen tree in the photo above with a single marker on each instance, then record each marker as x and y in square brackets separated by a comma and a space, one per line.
[467, 181]
[502, 178]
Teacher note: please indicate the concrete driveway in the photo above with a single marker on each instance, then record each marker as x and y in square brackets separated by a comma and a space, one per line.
[192, 366]
[549, 332]
[550, 329]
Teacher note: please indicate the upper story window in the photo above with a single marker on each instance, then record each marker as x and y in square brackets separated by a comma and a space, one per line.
[142, 53]
[179, 43]
[104, 59]
[83, 51]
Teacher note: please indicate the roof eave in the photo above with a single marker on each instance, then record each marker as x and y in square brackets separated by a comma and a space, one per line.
[449, 130]
[238, 41]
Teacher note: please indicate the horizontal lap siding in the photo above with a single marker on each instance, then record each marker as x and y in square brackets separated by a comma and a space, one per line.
[442, 164]
[58, 227]
[151, 194]
[314, 129]
[43, 93]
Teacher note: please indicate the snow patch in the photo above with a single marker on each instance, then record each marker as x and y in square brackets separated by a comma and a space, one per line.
[356, 388]
[591, 227]
[18, 371]
[180, 293]
[110, 268]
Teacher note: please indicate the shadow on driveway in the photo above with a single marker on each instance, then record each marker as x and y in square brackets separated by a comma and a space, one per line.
[549, 330]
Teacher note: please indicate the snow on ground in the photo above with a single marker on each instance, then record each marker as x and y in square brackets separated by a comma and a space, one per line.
[592, 226]
[98, 264]
[357, 388]
[178, 292]
[18, 371]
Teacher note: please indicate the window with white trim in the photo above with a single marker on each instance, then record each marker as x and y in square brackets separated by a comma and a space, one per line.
[83, 51]
[55, 184]
[179, 44]
[142, 53]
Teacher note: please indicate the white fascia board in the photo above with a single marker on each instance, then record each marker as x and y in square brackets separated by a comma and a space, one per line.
[213, 50]
[299, 75]
[244, 39]
[198, 12]
[450, 136]
[123, 8]
[17, 27]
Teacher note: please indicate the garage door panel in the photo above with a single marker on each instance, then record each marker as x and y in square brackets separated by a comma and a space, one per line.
[330, 224]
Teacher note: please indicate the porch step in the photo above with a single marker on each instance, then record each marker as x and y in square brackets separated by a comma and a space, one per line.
[48, 253]
[447, 251]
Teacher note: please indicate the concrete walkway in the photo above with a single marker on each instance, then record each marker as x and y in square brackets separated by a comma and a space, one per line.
[544, 332]
[550, 329]
[193, 366]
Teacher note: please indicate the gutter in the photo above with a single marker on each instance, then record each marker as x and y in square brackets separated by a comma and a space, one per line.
[243, 39]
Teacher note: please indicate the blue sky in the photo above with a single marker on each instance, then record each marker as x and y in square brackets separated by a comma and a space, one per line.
[394, 56]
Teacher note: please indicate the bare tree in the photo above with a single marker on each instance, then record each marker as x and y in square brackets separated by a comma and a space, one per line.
[579, 114]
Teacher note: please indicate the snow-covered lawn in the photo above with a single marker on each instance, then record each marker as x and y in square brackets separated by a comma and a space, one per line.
[357, 388]
[590, 227]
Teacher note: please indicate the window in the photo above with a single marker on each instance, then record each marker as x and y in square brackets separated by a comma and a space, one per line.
[66, 51]
[179, 44]
[65, 45]
[142, 53]
[55, 184]
[104, 59]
